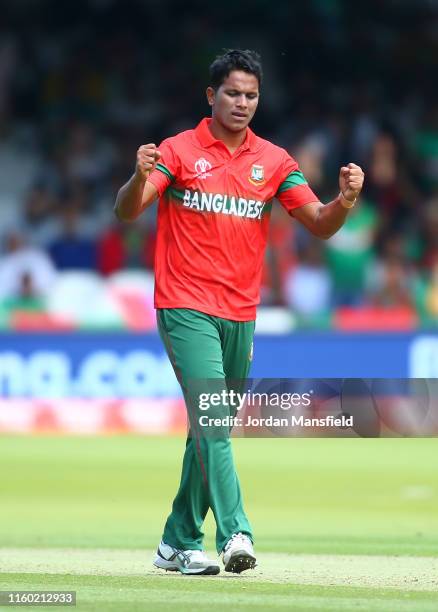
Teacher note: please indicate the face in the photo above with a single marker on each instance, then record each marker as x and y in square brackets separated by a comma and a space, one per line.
[235, 101]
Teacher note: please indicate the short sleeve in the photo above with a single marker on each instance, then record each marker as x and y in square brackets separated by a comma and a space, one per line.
[294, 190]
[166, 169]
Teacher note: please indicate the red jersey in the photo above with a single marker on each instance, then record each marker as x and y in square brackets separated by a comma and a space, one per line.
[213, 218]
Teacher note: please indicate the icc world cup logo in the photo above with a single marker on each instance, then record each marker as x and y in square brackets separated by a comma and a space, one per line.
[202, 167]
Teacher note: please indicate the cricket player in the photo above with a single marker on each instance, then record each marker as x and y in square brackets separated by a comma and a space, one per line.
[216, 186]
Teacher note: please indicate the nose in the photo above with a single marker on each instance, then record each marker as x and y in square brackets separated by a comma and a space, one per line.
[242, 102]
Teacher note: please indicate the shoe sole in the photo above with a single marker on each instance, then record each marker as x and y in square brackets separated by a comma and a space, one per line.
[211, 570]
[240, 561]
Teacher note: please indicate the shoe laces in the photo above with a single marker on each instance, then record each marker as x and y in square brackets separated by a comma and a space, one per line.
[187, 556]
[195, 555]
[236, 537]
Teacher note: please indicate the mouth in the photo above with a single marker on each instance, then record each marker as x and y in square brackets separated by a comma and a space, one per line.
[239, 115]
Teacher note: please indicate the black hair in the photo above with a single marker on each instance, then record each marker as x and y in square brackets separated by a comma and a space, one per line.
[235, 59]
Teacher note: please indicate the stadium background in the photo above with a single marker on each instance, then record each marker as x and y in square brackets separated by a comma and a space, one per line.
[340, 524]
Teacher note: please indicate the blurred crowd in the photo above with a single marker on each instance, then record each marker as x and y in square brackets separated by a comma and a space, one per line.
[82, 87]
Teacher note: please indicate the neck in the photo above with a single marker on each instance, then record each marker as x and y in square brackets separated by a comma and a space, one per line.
[232, 140]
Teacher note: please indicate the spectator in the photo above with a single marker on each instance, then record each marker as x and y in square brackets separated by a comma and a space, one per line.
[38, 220]
[391, 278]
[24, 270]
[27, 298]
[88, 159]
[426, 148]
[432, 294]
[430, 233]
[71, 249]
[391, 286]
[349, 254]
[308, 284]
[383, 180]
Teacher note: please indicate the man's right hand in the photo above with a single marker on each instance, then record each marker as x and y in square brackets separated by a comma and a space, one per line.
[147, 158]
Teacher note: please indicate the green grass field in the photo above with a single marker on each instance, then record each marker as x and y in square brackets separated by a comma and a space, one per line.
[340, 524]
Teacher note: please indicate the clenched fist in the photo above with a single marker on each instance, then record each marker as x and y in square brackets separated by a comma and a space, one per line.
[147, 157]
[351, 181]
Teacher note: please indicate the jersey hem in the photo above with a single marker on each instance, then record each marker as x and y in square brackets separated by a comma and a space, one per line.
[208, 311]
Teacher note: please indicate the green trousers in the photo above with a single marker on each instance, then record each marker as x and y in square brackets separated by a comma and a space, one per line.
[201, 346]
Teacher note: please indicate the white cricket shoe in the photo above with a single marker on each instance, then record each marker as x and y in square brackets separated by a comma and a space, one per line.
[185, 561]
[239, 554]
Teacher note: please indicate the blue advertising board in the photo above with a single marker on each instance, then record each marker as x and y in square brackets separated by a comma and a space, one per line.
[98, 365]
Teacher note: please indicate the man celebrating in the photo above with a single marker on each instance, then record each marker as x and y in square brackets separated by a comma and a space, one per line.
[217, 184]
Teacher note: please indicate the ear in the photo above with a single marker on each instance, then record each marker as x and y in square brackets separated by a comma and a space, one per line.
[210, 95]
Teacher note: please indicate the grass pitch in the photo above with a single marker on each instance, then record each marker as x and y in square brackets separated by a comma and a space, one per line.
[339, 524]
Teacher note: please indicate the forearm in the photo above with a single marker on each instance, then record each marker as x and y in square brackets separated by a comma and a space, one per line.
[325, 220]
[330, 218]
[128, 204]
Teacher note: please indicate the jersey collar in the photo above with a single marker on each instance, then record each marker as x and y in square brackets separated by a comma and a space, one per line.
[207, 139]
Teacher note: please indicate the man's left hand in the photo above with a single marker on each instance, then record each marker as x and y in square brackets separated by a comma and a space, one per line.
[351, 181]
